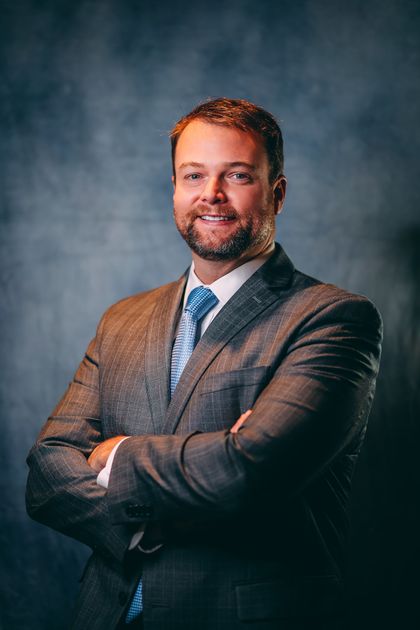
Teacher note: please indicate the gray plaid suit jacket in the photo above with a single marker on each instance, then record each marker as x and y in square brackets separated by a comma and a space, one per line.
[254, 523]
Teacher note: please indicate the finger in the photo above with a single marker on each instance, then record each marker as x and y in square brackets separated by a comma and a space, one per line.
[240, 421]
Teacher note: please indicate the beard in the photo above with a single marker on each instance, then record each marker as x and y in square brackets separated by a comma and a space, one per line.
[229, 249]
[243, 239]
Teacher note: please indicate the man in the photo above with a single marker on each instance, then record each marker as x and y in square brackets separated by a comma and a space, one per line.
[224, 438]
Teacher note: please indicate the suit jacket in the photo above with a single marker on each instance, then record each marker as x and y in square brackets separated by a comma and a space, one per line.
[254, 523]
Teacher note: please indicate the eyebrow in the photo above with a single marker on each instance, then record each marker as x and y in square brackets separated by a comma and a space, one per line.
[225, 164]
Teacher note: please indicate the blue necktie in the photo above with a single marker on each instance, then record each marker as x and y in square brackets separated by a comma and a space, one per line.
[199, 302]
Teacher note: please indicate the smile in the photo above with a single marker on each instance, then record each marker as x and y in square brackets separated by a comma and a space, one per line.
[215, 218]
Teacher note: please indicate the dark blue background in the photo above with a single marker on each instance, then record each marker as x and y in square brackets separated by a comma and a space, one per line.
[89, 91]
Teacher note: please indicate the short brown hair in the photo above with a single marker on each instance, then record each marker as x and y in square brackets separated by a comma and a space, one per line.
[244, 115]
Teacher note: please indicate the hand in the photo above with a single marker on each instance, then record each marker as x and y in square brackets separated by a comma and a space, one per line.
[99, 456]
[240, 421]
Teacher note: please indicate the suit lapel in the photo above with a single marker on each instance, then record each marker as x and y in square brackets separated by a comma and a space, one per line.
[254, 297]
[158, 349]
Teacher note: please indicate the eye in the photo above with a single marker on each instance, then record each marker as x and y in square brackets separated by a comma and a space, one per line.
[192, 177]
[240, 177]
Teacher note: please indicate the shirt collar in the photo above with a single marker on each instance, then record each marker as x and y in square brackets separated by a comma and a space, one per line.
[226, 286]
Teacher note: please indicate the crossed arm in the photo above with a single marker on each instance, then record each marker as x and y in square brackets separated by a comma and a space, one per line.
[316, 402]
[100, 454]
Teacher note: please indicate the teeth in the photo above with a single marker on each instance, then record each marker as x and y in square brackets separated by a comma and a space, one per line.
[210, 217]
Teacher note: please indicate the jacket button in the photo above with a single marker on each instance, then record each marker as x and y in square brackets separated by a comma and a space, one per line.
[131, 510]
[122, 598]
[134, 510]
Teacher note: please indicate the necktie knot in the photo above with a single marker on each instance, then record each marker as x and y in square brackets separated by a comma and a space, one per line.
[200, 301]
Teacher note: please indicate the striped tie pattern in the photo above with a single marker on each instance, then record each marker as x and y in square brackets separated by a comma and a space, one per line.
[199, 302]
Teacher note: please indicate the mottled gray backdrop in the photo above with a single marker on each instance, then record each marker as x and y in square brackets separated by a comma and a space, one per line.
[89, 91]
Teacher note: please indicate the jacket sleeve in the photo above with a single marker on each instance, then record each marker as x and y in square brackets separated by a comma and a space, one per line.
[61, 490]
[314, 406]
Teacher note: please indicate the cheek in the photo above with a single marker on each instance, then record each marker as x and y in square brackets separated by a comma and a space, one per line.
[182, 197]
[182, 207]
[248, 201]
[176, 196]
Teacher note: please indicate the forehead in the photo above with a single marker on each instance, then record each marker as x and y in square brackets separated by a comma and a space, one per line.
[209, 143]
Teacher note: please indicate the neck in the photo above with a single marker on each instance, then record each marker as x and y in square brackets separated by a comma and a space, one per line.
[208, 271]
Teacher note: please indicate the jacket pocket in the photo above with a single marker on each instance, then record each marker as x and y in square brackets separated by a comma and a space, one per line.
[244, 377]
[225, 396]
[310, 596]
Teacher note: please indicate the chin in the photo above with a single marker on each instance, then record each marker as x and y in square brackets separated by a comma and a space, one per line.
[230, 248]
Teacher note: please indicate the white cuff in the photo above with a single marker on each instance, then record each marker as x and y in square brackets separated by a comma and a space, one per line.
[103, 478]
[137, 538]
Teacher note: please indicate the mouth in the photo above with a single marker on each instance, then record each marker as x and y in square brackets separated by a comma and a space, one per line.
[217, 218]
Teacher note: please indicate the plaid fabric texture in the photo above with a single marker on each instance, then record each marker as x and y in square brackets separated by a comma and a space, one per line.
[303, 356]
[199, 302]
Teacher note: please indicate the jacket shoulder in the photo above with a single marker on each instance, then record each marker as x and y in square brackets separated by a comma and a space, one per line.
[138, 305]
[320, 297]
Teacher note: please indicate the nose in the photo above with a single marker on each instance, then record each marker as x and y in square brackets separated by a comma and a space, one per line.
[213, 192]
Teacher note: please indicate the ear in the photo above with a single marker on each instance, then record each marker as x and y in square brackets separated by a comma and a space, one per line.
[173, 181]
[279, 192]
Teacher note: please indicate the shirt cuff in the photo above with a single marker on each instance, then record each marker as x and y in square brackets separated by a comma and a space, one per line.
[137, 538]
[103, 478]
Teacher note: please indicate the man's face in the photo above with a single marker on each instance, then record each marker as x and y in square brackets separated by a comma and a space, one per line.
[224, 205]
